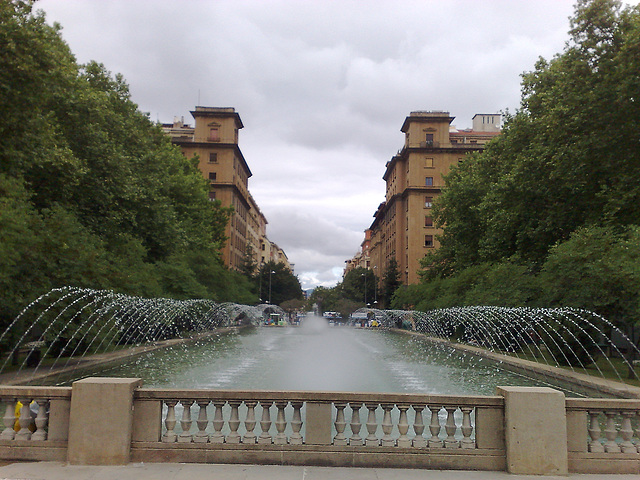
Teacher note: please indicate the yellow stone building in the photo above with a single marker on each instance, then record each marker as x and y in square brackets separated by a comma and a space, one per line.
[214, 139]
[403, 225]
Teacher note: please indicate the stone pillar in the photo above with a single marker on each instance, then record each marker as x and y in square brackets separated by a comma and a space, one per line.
[101, 421]
[535, 430]
[318, 424]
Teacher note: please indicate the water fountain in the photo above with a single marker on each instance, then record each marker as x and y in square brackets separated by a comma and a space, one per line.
[574, 339]
[73, 327]
[72, 324]
[443, 366]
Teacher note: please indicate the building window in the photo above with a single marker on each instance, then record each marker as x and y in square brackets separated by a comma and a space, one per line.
[214, 134]
[428, 181]
[429, 139]
[428, 221]
[428, 241]
[212, 196]
[427, 202]
[213, 158]
[212, 176]
[428, 163]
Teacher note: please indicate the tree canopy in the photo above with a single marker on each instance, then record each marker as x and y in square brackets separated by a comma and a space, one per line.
[92, 194]
[276, 284]
[566, 168]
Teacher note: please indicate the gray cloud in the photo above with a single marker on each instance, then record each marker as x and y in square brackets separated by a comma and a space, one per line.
[322, 88]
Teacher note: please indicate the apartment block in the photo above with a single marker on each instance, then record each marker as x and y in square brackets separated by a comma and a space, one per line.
[214, 139]
[403, 226]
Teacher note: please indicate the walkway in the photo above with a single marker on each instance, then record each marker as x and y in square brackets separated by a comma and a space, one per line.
[183, 471]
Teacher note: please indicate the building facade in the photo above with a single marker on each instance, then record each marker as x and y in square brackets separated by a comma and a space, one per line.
[214, 139]
[403, 226]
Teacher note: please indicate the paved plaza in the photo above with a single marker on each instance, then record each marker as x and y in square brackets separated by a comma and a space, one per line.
[192, 471]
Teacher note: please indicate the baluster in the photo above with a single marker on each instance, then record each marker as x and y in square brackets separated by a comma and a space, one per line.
[372, 426]
[185, 422]
[202, 422]
[434, 427]
[403, 427]
[9, 419]
[170, 422]
[467, 429]
[638, 431]
[250, 423]
[281, 424]
[265, 423]
[25, 421]
[611, 432]
[595, 445]
[340, 425]
[356, 425]
[626, 431]
[296, 424]
[418, 427]
[387, 427]
[234, 422]
[41, 421]
[450, 428]
[218, 423]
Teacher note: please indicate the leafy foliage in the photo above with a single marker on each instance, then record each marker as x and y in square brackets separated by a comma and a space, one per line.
[390, 282]
[359, 285]
[92, 194]
[277, 284]
[547, 214]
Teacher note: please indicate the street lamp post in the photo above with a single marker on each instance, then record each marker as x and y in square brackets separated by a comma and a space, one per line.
[365, 287]
[270, 272]
[375, 285]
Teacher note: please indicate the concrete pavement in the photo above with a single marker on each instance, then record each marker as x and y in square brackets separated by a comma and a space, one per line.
[191, 471]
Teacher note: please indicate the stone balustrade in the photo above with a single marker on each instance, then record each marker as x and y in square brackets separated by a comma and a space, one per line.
[373, 420]
[603, 430]
[36, 422]
[521, 430]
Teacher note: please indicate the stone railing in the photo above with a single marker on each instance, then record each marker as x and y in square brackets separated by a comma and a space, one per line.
[601, 432]
[521, 430]
[39, 431]
[326, 428]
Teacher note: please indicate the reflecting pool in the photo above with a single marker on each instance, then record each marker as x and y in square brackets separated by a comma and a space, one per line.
[316, 356]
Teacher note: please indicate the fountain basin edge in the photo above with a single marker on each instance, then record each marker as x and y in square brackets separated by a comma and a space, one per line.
[538, 370]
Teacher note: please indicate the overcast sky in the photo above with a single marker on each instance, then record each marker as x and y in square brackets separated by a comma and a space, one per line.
[322, 88]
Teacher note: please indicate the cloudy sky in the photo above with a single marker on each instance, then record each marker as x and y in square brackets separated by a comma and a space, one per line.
[322, 88]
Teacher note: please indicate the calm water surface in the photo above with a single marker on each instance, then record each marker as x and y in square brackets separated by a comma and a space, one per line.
[316, 356]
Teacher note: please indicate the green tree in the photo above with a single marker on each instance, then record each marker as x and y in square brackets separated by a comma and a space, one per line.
[248, 265]
[326, 298]
[293, 307]
[345, 308]
[278, 283]
[567, 158]
[596, 269]
[390, 282]
[358, 285]
[92, 194]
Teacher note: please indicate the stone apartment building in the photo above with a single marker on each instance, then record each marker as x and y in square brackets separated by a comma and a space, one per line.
[214, 139]
[403, 226]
